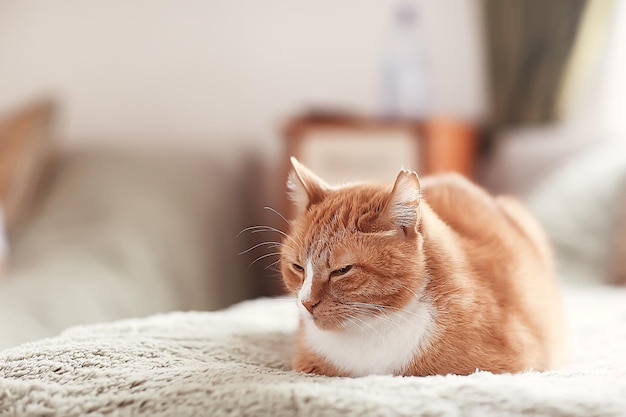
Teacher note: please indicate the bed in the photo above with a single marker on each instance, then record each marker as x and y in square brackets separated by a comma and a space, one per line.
[236, 362]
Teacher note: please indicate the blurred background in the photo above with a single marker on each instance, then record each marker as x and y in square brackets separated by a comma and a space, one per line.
[139, 138]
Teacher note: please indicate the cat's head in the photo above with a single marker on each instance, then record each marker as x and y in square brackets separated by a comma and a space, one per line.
[352, 251]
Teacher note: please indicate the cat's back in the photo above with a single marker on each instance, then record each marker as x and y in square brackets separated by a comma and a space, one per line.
[500, 239]
[508, 256]
[478, 216]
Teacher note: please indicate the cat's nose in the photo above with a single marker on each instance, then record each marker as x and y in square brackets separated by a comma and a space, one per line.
[310, 305]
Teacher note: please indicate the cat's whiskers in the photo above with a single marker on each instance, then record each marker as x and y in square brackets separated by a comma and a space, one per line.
[364, 311]
[369, 311]
[374, 329]
[263, 257]
[273, 210]
[274, 264]
[399, 310]
[262, 228]
[354, 321]
[409, 290]
[383, 308]
[348, 320]
[269, 244]
[258, 245]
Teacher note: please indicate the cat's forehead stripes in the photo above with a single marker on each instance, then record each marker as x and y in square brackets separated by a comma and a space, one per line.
[324, 228]
[318, 252]
[322, 240]
[335, 221]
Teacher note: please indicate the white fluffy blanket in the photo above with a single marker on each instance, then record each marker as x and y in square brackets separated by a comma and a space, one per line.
[235, 362]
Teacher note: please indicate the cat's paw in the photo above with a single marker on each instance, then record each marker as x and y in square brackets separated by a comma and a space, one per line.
[306, 367]
[310, 364]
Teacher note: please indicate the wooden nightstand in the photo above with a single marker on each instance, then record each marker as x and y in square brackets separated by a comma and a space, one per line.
[26, 148]
[344, 148]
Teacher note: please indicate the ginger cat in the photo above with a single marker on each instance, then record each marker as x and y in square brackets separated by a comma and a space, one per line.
[413, 278]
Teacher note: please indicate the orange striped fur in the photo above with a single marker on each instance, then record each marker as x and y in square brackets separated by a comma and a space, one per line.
[418, 278]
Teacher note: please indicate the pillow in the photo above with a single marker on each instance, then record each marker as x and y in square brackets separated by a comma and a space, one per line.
[123, 233]
[578, 205]
[25, 149]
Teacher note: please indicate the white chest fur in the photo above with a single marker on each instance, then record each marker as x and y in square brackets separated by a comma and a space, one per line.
[381, 346]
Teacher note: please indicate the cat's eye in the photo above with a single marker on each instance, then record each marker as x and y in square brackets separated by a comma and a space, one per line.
[298, 267]
[341, 271]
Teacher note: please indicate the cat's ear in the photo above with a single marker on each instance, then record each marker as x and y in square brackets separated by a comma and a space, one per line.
[305, 188]
[404, 201]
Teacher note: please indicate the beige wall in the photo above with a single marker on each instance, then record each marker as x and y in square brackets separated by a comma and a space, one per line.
[219, 73]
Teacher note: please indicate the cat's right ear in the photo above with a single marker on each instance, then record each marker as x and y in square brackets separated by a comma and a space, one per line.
[403, 206]
[305, 188]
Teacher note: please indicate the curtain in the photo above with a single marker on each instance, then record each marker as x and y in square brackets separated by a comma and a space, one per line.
[529, 42]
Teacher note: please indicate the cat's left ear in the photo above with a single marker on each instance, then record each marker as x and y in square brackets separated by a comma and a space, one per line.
[404, 201]
[305, 188]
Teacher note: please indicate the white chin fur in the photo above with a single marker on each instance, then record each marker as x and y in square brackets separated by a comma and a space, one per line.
[380, 346]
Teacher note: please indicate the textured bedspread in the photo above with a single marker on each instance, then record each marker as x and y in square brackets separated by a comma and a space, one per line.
[235, 362]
